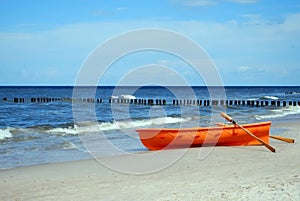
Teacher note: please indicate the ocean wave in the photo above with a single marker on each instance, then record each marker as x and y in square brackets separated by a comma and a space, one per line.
[126, 96]
[292, 93]
[89, 127]
[71, 130]
[264, 98]
[282, 112]
[5, 133]
[67, 145]
[270, 97]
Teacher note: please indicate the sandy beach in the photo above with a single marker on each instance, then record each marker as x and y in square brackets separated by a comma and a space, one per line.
[227, 173]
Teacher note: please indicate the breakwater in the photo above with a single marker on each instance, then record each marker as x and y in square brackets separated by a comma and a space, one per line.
[207, 102]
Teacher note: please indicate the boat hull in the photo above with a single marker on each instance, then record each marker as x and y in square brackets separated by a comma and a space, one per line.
[157, 139]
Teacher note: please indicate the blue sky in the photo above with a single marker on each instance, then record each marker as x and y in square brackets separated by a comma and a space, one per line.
[252, 42]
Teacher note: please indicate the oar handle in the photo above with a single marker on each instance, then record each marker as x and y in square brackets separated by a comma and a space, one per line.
[284, 139]
[227, 117]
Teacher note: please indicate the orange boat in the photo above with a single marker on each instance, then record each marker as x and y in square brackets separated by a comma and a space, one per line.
[225, 135]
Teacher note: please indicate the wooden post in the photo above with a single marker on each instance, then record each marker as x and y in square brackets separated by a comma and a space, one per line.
[257, 103]
[221, 102]
[272, 103]
[278, 103]
[266, 103]
[262, 103]
[199, 102]
[214, 102]
[284, 103]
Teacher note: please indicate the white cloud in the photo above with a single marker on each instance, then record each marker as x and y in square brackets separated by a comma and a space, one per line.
[99, 12]
[243, 69]
[153, 74]
[202, 3]
[199, 3]
[121, 8]
[244, 1]
[173, 63]
[291, 23]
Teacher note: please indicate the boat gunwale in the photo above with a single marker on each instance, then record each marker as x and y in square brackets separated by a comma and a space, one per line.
[203, 128]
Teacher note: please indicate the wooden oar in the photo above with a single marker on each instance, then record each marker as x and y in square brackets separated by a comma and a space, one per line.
[228, 118]
[284, 139]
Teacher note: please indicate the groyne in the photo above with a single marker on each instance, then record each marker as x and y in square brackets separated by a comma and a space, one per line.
[138, 101]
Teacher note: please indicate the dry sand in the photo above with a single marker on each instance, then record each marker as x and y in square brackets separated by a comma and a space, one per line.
[228, 173]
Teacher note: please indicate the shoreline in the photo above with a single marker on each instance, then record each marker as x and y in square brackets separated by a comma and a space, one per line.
[227, 173]
[277, 125]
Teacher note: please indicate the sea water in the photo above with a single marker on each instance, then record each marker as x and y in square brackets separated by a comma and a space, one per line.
[46, 132]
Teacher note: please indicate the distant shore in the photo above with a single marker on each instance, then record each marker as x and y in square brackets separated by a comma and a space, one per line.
[228, 173]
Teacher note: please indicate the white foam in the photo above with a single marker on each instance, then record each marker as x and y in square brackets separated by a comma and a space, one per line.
[270, 97]
[70, 131]
[69, 145]
[89, 127]
[282, 112]
[148, 122]
[5, 133]
[126, 96]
